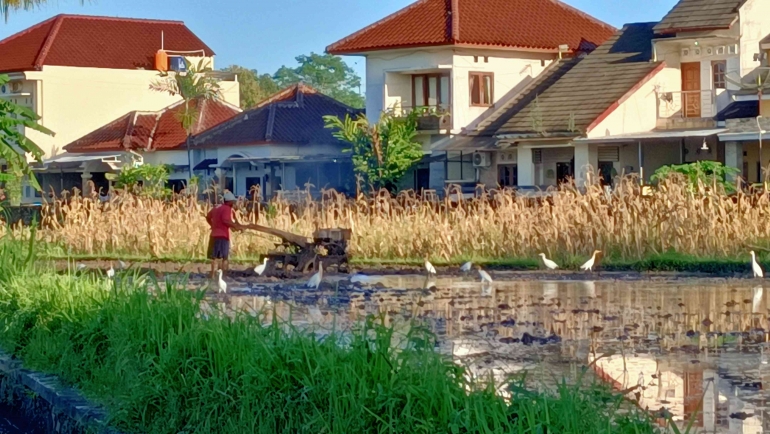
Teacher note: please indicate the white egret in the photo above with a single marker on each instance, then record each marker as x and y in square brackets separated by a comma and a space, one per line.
[589, 265]
[81, 267]
[259, 269]
[222, 284]
[111, 272]
[466, 267]
[485, 277]
[315, 280]
[755, 266]
[122, 265]
[549, 264]
[429, 267]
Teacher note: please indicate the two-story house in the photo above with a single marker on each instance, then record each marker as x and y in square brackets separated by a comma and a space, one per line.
[650, 96]
[453, 61]
[81, 72]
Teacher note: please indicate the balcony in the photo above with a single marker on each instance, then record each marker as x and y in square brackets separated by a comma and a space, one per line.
[686, 109]
[429, 118]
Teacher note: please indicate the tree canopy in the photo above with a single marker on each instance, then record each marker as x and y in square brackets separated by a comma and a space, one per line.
[328, 74]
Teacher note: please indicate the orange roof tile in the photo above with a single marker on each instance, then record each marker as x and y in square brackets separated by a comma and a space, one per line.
[161, 130]
[95, 42]
[525, 24]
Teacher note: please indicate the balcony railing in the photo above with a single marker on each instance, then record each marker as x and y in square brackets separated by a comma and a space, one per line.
[686, 104]
[429, 118]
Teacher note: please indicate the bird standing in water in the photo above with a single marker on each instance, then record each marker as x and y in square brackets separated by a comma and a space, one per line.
[485, 277]
[429, 267]
[755, 265]
[259, 269]
[589, 265]
[221, 282]
[549, 264]
[315, 280]
[466, 267]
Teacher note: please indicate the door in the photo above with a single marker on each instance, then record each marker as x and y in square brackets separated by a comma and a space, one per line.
[691, 90]
[507, 175]
[605, 171]
[421, 179]
[563, 172]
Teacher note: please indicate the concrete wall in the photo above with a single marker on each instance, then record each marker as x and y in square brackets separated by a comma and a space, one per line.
[386, 68]
[388, 76]
[636, 114]
[754, 26]
[511, 69]
[75, 101]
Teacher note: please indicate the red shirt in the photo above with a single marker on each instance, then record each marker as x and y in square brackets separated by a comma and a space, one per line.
[218, 217]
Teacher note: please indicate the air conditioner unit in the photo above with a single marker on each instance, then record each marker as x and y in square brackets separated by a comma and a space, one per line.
[482, 159]
[16, 86]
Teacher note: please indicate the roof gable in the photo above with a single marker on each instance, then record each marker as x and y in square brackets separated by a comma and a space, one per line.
[575, 94]
[150, 131]
[692, 15]
[293, 115]
[525, 24]
[95, 42]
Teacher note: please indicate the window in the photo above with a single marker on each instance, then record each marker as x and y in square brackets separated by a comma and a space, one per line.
[718, 69]
[482, 86]
[507, 175]
[431, 90]
[459, 166]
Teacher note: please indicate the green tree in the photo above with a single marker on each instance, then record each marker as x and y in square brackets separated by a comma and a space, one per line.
[327, 73]
[153, 179]
[704, 172]
[254, 87]
[194, 86]
[382, 152]
[14, 145]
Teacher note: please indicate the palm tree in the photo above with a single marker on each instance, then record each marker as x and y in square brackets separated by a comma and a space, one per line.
[194, 86]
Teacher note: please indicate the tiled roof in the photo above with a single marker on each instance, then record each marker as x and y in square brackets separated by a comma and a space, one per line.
[572, 96]
[293, 115]
[161, 130]
[95, 42]
[690, 15]
[529, 24]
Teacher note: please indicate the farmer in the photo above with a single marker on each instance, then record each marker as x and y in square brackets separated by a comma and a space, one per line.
[221, 221]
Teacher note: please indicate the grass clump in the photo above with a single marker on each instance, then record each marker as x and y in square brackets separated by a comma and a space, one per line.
[158, 366]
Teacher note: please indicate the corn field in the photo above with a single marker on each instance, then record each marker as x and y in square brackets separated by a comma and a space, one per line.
[563, 223]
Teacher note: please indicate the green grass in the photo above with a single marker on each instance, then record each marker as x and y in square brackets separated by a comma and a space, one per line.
[157, 367]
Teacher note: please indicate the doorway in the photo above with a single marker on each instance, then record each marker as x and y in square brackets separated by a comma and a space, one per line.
[691, 104]
[421, 179]
[563, 172]
[605, 171]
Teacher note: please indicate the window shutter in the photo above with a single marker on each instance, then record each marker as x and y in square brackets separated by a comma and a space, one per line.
[609, 153]
[537, 156]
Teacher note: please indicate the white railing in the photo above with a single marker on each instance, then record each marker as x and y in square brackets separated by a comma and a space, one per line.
[686, 104]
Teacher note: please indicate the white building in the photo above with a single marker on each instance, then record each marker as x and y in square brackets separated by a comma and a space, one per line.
[80, 72]
[654, 94]
[454, 61]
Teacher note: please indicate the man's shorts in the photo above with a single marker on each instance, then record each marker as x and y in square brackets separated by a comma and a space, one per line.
[219, 248]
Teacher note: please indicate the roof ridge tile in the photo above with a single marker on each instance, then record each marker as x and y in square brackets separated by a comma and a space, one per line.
[49, 40]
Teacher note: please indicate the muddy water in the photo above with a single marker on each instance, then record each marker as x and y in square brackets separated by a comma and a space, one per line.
[694, 347]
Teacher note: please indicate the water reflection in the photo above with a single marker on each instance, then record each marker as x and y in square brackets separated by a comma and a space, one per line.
[685, 348]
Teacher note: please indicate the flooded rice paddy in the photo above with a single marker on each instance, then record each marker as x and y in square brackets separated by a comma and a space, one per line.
[688, 348]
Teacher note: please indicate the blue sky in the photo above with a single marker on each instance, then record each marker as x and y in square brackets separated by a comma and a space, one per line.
[264, 34]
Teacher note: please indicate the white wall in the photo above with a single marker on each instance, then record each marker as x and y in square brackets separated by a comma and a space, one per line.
[388, 81]
[75, 101]
[176, 157]
[511, 69]
[754, 26]
[635, 114]
[384, 64]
